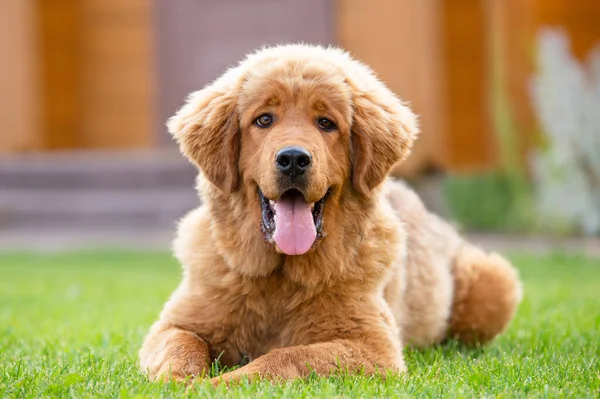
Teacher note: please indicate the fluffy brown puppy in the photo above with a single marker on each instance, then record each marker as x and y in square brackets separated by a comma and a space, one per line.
[303, 258]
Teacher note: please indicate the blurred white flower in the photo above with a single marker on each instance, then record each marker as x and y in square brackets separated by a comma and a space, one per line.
[566, 99]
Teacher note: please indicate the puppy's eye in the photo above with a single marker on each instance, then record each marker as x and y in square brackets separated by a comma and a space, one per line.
[326, 124]
[264, 121]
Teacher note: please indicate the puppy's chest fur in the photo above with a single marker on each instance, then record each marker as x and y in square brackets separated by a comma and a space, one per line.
[255, 320]
[242, 318]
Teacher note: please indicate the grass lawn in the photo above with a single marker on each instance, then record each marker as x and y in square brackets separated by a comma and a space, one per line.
[71, 325]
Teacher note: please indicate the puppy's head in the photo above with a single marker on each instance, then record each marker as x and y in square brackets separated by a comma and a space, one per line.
[294, 127]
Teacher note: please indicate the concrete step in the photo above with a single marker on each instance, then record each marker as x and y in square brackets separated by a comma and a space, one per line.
[89, 190]
[94, 207]
[83, 170]
[53, 239]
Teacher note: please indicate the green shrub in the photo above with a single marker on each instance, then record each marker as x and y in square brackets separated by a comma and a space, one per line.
[490, 201]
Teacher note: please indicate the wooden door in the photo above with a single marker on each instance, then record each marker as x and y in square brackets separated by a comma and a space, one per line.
[199, 39]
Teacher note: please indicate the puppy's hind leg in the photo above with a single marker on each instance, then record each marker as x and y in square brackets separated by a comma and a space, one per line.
[486, 295]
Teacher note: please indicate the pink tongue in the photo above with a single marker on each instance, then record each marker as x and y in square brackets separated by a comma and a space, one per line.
[295, 230]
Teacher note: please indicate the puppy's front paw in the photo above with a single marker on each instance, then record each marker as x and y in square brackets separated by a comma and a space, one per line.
[175, 355]
[166, 373]
[235, 376]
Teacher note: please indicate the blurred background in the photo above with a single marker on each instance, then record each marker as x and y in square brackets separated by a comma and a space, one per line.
[508, 92]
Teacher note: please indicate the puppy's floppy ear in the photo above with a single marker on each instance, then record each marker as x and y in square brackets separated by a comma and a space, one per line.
[207, 130]
[383, 132]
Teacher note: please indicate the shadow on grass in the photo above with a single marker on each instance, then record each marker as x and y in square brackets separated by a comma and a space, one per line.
[449, 350]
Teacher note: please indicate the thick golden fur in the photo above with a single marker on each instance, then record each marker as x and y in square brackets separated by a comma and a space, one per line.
[386, 271]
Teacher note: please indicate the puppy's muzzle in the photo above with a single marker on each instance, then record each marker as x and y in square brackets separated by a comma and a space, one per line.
[293, 161]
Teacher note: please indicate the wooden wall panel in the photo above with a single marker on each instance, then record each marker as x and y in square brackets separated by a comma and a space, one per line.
[509, 23]
[581, 19]
[59, 36]
[515, 24]
[400, 40]
[117, 74]
[97, 73]
[19, 84]
[471, 144]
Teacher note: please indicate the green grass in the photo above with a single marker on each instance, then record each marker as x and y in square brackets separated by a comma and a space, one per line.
[71, 325]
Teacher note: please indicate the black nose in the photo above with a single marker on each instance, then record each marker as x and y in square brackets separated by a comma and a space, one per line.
[293, 161]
